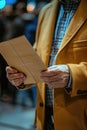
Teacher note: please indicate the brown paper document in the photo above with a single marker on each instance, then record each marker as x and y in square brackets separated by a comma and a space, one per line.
[19, 53]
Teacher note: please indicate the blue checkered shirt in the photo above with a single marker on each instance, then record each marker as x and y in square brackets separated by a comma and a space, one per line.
[65, 15]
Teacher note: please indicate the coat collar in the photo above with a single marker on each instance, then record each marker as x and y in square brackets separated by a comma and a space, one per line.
[81, 16]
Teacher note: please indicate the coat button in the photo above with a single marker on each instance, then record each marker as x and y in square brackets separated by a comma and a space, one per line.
[41, 104]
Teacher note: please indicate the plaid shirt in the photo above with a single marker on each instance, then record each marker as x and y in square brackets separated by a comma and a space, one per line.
[65, 15]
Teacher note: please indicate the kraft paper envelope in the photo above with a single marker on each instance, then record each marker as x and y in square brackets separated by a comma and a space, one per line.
[19, 53]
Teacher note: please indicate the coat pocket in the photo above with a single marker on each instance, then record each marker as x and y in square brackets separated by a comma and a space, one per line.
[80, 43]
[80, 51]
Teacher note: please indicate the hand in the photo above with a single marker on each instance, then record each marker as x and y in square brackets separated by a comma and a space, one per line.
[56, 76]
[14, 76]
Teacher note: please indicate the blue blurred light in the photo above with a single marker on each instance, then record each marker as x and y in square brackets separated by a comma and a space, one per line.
[2, 4]
[10, 2]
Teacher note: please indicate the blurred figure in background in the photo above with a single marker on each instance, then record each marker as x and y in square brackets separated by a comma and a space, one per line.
[3, 80]
[2, 26]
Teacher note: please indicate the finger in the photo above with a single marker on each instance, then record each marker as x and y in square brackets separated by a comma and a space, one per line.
[54, 77]
[58, 84]
[51, 78]
[16, 82]
[49, 73]
[15, 76]
[57, 78]
[11, 70]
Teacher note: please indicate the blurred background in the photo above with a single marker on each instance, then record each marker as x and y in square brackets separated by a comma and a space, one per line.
[17, 107]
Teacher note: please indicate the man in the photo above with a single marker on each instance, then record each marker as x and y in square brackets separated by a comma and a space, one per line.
[61, 42]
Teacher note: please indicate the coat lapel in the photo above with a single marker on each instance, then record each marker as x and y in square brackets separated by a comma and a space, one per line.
[81, 16]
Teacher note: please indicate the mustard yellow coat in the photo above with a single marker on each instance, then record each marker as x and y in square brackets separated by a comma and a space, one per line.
[70, 109]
